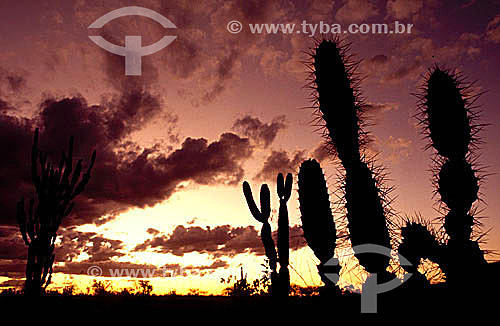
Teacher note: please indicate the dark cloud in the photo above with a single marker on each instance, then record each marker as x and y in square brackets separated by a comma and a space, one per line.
[222, 240]
[5, 107]
[134, 270]
[203, 26]
[15, 141]
[124, 174]
[73, 243]
[223, 73]
[14, 269]
[261, 133]
[103, 252]
[280, 161]
[12, 81]
[152, 231]
[297, 239]
[378, 59]
[12, 247]
[320, 153]
[493, 30]
[108, 268]
[115, 69]
[13, 253]
[357, 11]
[205, 269]
[98, 248]
[12, 284]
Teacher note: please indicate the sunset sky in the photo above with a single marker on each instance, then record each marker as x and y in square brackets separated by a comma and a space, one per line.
[209, 111]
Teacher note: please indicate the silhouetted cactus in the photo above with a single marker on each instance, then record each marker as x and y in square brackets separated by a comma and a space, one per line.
[418, 242]
[449, 121]
[284, 189]
[280, 282]
[317, 219]
[56, 187]
[341, 108]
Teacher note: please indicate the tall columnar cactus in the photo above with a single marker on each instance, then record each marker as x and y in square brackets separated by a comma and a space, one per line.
[280, 282]
[317, 219]
[56, 188]
[449, 123]
[341, 108]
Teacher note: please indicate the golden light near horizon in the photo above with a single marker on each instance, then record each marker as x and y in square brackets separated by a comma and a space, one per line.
[178, 210]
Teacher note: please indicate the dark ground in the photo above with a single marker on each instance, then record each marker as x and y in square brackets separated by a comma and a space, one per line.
[403, 303]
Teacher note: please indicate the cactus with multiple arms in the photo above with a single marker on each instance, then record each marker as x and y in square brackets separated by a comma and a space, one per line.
[56, 188]
[317, 219]
[449, 122]
[341, 108]
[280, 282]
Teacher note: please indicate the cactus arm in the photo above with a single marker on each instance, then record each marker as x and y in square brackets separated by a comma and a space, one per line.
[288, 187]
[247, 191]
[34, 156]
[21, 220]
[280, 185]
[265, 202]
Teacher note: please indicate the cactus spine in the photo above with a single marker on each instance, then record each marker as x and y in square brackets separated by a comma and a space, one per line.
[280, 282]
[341, 108]
[317, 219]
[55, 188]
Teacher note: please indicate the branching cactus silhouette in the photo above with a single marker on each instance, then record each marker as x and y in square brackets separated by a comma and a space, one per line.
[317, 218]
[56, 186]
[280, 282]
[447, 115]
[340, 108]
[284, 190]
